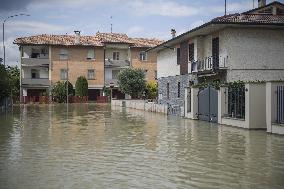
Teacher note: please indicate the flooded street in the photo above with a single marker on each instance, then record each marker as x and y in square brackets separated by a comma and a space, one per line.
[92, 146]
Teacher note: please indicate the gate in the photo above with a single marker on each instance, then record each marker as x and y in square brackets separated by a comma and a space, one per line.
[208, 104]
[280, 104]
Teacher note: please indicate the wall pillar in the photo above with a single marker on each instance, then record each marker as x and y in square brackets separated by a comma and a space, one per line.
[222, 108]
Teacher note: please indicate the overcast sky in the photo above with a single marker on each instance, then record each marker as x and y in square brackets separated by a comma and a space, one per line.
[136, 18]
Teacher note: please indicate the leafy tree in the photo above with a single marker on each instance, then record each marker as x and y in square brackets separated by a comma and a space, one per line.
[59, 91]
[81, 87]
[132, 82]
[14, 80]
[151, 90]
[4, 83]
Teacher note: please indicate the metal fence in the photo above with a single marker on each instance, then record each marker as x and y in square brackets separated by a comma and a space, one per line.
[280, 104]
[236, 102]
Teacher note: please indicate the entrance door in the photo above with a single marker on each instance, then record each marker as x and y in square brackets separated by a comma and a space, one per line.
[208, 104]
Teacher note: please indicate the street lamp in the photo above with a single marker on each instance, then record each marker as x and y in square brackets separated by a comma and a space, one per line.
[4, 53]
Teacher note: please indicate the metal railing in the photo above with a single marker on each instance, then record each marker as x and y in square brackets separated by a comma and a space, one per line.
[236, 102]
[280, 104]
[210, 64]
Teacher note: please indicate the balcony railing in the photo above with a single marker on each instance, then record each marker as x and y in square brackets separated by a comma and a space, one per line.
[36, 81]
[209, 64]
[111, 81]
[42, 62]
[116, 63]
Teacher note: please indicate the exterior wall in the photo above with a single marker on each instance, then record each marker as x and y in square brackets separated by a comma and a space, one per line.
[184, 58]
[193, 114]
[271, 107]
[150, 64]
[140, 105]
[43, 72]
[167, 63]
[255, 108]
[123, 53]
[173, 99]
[78, 65]
[254, 54]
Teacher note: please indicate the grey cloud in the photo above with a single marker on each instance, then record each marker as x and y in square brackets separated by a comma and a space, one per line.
[10, 5]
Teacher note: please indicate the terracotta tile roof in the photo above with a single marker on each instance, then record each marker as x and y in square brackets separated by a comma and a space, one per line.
[113, 38]
[142, 42]
[46, 39]
[250, 19]
[97, 40]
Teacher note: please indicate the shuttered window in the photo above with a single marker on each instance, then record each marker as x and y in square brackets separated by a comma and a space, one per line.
[91, 54]
[191, 52]
[178, 56]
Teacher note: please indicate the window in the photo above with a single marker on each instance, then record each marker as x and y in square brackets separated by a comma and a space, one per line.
[142, 56]
[34, 74]
[91, 74]
[63, 54]
[168, 91]
[178, 89]
[114, 74]
[91, 54]
[115, 55]
[215, 52]
[63, 74]
[191, 52]
[178, 56]
[156, 74]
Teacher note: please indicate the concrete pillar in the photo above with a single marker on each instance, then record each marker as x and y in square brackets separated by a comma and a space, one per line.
[268, 106]
[222, 108]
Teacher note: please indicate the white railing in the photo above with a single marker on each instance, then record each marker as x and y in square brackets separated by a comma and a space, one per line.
[208, 64]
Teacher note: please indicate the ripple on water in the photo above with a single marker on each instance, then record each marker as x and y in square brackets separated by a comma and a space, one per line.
[94, 147]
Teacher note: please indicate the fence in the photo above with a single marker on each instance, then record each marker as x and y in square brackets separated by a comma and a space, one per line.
[280, 104]
[236, 102]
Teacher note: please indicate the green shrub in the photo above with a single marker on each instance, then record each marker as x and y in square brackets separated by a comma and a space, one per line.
[81, 87]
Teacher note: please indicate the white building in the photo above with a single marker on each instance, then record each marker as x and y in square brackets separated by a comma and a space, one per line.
[244, 47]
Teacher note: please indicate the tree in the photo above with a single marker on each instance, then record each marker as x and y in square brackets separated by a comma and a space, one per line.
[4, 82]
[151, 90]
[59, 91]
[81, 87]
[14, 80]
[132, 82]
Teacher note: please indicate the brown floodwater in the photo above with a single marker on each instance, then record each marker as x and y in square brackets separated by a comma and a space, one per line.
[92, 146]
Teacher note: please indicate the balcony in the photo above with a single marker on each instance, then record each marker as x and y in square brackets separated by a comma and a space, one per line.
[36, 81]
[116, 63]
[208, 65]
[111, 81]
[41, 62]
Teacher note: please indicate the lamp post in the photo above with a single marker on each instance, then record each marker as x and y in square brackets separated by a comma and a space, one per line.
[4, 53]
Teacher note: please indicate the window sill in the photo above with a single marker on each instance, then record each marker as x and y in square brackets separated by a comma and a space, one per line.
[91, 79]
[90, 59]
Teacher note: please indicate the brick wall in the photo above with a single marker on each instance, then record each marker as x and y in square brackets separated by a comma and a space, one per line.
[78, 64]
[150, 64]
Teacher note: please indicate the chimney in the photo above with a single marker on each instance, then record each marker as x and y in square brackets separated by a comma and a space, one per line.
[261, 3]
[173, 32]
[77, 37]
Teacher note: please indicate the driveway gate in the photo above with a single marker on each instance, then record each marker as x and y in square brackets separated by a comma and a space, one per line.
[208, 104]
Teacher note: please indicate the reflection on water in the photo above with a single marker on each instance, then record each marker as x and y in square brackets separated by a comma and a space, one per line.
[93, 147]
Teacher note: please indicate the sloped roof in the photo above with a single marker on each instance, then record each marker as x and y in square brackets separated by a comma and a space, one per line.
[250, 19]
[46, 39]
[245, 18]
[142, 42]
[97, 40]
[113, 38]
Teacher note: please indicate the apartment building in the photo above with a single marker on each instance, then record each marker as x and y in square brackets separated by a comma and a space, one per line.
[244, 47]
[46, 59]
